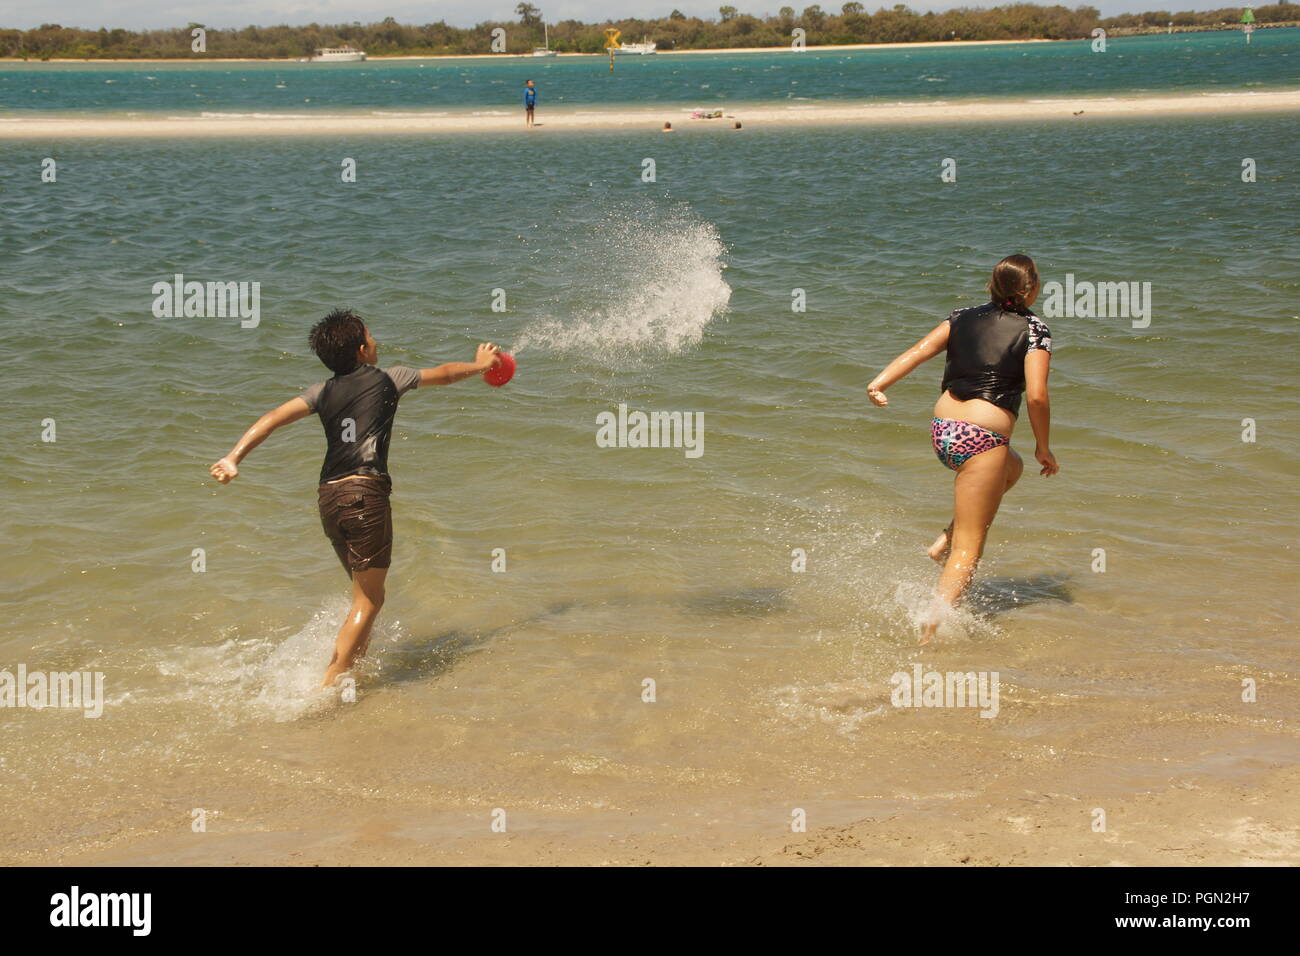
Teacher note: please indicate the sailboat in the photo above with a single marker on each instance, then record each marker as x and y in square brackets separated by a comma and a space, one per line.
[544, 50]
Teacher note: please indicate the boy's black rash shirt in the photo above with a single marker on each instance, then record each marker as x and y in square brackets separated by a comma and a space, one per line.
[357, 412]
[987, 346]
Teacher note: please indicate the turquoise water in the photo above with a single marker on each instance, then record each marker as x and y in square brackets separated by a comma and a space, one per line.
[1220, 62]
[524, 687]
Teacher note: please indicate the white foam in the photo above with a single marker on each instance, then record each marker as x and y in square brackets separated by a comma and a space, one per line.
[654, 275]
[264, 678]
[242, 116]
[1252, 93]
[847, 706]
[921, 605]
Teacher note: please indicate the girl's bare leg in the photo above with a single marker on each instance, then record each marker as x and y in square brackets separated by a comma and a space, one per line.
[938, 551]
[981, 482]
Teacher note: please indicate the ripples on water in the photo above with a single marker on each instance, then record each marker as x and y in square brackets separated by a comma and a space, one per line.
[623, 565]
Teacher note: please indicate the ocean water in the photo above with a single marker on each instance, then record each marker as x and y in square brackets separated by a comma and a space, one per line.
[1204, 62]
[523, 689]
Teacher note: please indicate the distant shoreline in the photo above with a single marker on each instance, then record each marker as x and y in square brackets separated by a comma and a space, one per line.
[596, 118]
[527, 56]
[1113, 33]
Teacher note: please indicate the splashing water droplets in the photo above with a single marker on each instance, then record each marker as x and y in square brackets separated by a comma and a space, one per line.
[654, 282]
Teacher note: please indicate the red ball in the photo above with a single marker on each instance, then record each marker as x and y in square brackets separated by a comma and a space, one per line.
[498, 375]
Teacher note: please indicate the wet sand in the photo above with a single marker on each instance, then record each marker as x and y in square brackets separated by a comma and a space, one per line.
[1040, 819]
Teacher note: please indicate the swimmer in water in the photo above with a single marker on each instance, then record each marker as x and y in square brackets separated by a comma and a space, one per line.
[356, 407]
[996, 353]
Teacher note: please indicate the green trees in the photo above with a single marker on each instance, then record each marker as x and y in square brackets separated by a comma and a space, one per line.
[894, 24]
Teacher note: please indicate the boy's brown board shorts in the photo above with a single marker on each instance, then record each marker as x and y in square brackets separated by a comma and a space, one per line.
[358, 520]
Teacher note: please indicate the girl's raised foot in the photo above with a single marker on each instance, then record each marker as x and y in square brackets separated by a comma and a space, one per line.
[938, 551]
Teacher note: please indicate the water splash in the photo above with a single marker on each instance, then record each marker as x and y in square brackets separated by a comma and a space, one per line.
[654, 277]
[964, 622]
[267, 678]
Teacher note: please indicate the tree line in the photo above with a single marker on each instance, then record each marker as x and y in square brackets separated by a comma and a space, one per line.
[852, 24]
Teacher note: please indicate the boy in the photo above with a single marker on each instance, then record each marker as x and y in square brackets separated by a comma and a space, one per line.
[356, 407]
[530, 102]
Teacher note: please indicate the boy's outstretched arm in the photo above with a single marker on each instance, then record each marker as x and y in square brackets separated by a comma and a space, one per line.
[922, 351]
[228, 468]
[484, 359]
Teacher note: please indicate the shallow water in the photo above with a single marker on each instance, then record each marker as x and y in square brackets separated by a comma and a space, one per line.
[524, 688]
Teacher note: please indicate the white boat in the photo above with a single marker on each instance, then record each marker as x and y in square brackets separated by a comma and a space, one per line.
[639, 49]
[338, 54]
[546, 38]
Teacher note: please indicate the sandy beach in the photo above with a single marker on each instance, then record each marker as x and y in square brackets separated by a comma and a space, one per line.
[1038, 818]
[942, 111]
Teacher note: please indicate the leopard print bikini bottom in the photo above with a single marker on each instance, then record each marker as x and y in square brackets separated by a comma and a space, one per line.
[958, 442]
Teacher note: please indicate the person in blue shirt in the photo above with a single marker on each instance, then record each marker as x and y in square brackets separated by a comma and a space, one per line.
[530, 102]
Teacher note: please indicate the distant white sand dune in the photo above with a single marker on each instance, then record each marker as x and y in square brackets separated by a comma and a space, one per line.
[946, 111]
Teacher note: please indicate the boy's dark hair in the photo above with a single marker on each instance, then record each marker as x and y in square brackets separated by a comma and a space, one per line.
[336, 338]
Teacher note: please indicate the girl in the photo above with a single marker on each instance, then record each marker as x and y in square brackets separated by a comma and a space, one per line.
[996, 353]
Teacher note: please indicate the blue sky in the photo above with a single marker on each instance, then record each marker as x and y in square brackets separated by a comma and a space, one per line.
[138, 14]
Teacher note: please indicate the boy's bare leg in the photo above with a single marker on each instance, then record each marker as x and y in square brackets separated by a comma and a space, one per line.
[354, 635]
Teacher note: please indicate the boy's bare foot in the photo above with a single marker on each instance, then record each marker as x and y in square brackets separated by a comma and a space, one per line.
[938, 551]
